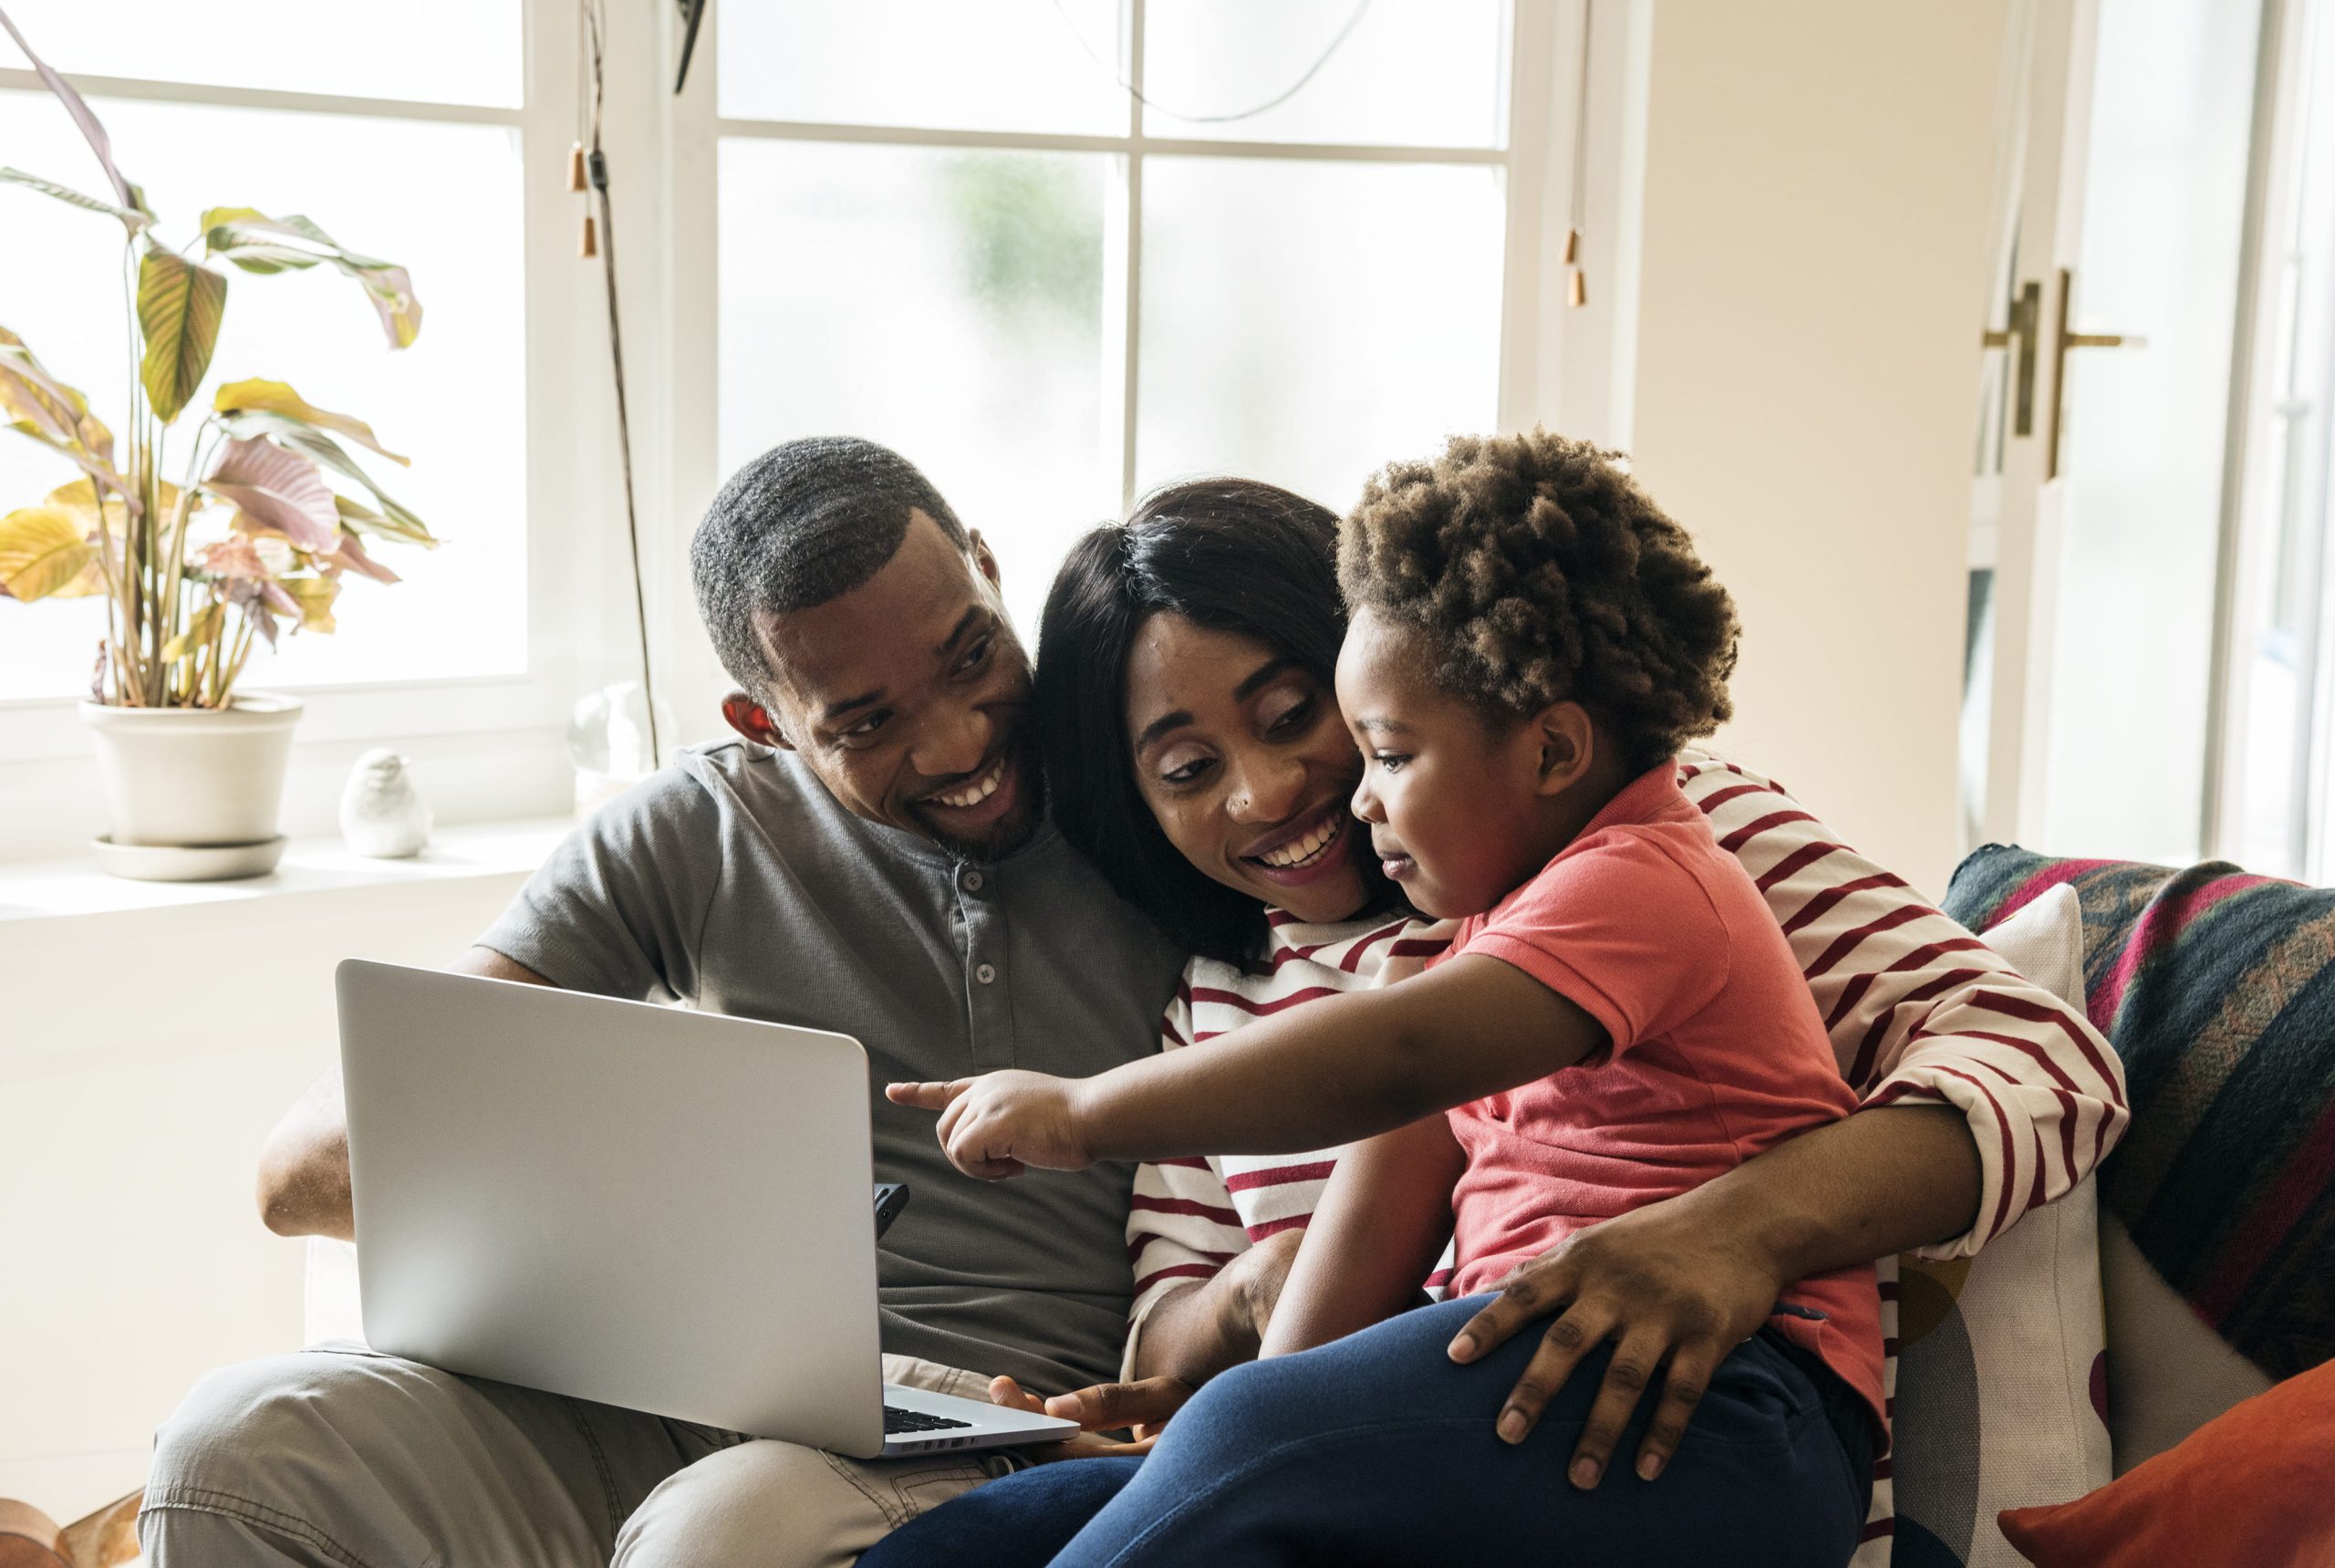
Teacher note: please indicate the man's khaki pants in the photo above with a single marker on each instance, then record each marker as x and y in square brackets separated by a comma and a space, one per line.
[343, 1457]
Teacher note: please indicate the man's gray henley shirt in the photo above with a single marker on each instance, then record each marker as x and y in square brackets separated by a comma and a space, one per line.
[734, 881]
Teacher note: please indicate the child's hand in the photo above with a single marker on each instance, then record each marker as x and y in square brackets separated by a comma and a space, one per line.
[996, 1126]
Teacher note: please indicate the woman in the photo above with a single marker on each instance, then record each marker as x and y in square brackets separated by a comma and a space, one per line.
[1194, 753]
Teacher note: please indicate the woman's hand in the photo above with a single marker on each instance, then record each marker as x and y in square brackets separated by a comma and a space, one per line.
[1667, 1283]
[1142, 1408]
[1000, 1124]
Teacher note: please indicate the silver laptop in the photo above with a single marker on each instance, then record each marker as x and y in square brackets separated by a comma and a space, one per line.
[651, 1207]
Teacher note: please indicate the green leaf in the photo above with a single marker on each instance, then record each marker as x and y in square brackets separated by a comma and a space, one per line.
[315, 596]
[43, 551]
[276, 397]
[247, 233]
[131, 219]
[53, 413]
[179, 309]
[401, 526]
[198, 631]
[267, 260]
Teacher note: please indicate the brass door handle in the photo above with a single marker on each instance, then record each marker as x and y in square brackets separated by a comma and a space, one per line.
[2063, 341]
[2024, 308]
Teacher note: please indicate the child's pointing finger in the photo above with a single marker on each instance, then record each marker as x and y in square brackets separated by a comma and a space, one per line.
[927, 1097]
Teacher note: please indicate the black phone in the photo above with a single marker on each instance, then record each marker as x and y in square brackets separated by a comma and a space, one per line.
[891, 1196]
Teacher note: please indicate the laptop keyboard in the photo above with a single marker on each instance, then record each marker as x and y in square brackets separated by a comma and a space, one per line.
[897, 1422]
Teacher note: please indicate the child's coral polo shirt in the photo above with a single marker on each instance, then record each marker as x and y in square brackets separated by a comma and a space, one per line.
[1716, 1053]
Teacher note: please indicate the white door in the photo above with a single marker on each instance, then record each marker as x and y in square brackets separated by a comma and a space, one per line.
[2098, 513]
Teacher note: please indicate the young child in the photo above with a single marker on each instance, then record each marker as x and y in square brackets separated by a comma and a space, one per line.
[1617, 1021]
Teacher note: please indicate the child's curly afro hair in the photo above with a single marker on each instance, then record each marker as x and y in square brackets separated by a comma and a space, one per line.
[1538, 572]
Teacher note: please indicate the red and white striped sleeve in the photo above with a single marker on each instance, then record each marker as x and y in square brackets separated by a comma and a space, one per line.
[1921, 1010]
[1182, 1227]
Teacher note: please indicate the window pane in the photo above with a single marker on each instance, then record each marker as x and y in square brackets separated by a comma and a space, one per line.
[2142, 450]
[1431, 72]
[1003, 65]
[1305, 323]
[442, 201]
[946, 303]
[436, 51]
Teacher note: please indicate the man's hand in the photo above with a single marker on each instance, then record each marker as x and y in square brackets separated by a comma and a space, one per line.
[1666, 1284]
[1142, 1407]
[999, 1125]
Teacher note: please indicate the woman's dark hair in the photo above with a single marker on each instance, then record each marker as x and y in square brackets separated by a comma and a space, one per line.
[1230, 555]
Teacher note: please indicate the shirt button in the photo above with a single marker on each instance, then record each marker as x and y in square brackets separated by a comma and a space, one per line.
[986, 973]
[973, 880]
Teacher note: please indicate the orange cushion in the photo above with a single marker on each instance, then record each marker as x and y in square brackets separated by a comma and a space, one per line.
[2255, 1486]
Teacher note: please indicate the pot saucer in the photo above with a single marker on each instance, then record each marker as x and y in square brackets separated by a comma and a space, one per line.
[189, 863]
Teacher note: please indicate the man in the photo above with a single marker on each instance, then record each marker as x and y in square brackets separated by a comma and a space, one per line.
[883, 869]
[877, 861]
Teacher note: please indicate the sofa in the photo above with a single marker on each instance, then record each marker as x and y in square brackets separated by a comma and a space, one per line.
[2193, 1271]
[2197, 1268]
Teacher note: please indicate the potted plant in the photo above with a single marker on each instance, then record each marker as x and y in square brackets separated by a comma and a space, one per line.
[254, 538]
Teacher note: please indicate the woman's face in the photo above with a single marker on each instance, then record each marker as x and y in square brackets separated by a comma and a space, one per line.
[1242, 756]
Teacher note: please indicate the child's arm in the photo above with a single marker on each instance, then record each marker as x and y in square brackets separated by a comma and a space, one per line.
[1380, 1227]
[1326, 1073]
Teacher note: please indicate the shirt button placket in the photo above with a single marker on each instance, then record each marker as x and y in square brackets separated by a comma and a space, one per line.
[992, 1016]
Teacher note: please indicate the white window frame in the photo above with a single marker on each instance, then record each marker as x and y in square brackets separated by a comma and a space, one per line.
[1565, 367]
[485, 746]
[494, 747]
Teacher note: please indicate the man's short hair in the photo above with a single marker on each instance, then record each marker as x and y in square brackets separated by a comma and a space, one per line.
[806, 522]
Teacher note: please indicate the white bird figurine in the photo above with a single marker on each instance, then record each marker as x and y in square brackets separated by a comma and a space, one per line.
[381, 814]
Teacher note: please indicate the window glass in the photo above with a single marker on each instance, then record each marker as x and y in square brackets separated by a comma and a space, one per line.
[442, 200]
[2141, 443]
[1305, 323]
[434, 51]
[1425, 72]
[948, 303]
[1001, 65]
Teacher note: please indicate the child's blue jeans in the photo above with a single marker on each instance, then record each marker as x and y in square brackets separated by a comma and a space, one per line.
[1377, 1449]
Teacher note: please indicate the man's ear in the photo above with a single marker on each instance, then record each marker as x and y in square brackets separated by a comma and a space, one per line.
[751, 720]
[985, 559]
[1566, 745]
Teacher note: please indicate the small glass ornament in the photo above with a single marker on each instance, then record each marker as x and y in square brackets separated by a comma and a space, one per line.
[607, 742]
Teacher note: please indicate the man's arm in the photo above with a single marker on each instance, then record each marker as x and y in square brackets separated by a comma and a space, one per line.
[1690, 1278]
[1921, 1011]
[304, 1165]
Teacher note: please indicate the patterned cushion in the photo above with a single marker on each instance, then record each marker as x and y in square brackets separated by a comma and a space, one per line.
[1999, 1368]
[2217, 988]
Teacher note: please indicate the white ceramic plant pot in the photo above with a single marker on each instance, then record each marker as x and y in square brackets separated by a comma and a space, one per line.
[194, 777]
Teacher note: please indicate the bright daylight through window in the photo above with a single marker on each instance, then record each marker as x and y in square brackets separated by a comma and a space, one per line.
[989, 256]
[404, 144]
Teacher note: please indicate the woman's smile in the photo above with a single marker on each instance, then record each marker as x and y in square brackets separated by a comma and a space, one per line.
[1315, 846]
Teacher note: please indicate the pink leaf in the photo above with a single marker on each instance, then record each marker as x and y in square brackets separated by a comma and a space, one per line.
[278, 488]
[351, 555]
[93, 132]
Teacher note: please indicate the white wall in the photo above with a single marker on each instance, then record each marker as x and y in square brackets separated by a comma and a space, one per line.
[144, 1055]
[1814, 223]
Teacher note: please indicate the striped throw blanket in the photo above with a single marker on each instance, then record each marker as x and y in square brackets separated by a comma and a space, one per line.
[2217, 988]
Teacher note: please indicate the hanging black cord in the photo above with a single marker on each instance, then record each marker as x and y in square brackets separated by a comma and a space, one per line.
[596, 164]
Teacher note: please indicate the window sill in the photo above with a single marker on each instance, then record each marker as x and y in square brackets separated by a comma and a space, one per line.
[74, 889]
